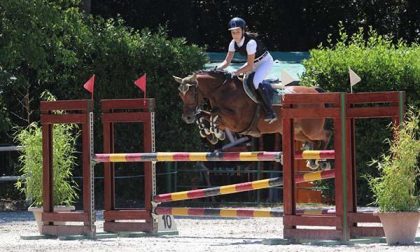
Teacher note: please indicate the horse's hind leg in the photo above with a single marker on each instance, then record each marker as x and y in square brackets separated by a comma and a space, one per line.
[308, 144]
[322, 143]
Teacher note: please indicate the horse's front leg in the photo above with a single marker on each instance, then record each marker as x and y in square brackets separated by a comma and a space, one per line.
[215, 127]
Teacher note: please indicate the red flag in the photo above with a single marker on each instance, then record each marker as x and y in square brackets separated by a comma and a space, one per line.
[89, 85]
[141, 83]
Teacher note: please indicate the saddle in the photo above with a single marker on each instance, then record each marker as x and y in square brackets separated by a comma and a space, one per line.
[276, 94]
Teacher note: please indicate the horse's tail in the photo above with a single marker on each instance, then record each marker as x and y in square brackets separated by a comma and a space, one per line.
[320, 90]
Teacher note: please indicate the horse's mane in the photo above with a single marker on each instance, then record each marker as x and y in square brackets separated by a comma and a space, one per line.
[220, 74]
[215, 73]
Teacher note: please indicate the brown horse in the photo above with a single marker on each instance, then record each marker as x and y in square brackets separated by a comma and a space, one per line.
[234, 110]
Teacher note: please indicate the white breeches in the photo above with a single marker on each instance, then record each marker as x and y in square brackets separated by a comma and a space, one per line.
[262, 68]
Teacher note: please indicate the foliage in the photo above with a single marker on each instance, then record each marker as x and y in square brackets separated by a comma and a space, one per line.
[383, 66]
[283, 25]
[66, 47]
[395, 189]
[30, 183]
[380, 63]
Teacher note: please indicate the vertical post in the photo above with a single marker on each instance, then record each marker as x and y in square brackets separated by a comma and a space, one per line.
[109, 185]
[260, 166]
[289, 197]
[341, 183]
[351, 166]
[86, 167]
[47, 168]
[92, 214]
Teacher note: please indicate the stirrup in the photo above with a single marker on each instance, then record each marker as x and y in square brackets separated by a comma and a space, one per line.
[271, 120]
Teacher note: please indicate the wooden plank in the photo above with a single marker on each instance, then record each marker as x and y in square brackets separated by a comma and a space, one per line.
[127, 227]
[304, 220]
[363, 217]
[111, 104]
[320, 98]
[125, 117]
[310, 113]
[373, 97]
[312, 234]
[64, 230]
[64, 118]
[65, 216]
[81, 105]
[359, 232]
[127, 215]
[372, 112]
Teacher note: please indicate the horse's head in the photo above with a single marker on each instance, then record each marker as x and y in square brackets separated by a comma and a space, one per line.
[189, 93]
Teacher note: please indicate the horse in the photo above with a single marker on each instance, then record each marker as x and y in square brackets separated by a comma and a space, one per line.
[231, 108]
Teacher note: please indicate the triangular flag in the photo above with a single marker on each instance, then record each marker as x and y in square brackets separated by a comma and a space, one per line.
[354, 78]
[286, 78]
[89, 85]
[141, 83]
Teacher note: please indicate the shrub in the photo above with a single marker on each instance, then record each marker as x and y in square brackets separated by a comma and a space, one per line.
[395, 189]
[383, 66]
[30, 183]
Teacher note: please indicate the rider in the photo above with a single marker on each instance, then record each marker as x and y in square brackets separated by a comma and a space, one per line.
[259, 60]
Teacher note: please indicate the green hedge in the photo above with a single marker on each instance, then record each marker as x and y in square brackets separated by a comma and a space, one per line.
[51, 45]
[383, 65]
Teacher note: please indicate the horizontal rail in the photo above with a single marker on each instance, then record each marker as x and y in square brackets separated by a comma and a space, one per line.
[315, 154]
[78, 105]
[9, 178]
[315, 176]
[10, 148]
[221, 212]
[240, 187]
[187, 156]
[219, 190]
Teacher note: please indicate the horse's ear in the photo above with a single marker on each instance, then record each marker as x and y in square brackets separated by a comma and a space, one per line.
[177, 79]
[191, 78]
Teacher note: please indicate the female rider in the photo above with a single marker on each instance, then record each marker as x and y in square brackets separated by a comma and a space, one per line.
[259, 61]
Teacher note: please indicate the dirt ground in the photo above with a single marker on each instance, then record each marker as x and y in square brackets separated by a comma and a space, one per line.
[195, 234]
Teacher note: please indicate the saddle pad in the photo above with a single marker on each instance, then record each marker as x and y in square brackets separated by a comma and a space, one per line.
[276, 94]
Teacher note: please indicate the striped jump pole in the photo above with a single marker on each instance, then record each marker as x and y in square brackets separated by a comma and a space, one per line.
[315, 154]
[234, 213]
[220, 212]
[315, 176]
[219, 190]
[187, 156]
[241, 187]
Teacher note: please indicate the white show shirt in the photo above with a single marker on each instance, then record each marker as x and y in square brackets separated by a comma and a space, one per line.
[251, 47]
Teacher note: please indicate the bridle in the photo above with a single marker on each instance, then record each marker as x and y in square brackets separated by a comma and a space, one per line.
[199, 107]
[184, 88]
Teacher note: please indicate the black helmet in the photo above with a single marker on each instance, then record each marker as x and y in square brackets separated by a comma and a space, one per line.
[236, 22]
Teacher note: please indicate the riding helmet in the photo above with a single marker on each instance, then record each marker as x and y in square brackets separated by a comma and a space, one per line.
[236, 22]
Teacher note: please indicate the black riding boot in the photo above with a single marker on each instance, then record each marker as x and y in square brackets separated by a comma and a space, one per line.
[270, 116]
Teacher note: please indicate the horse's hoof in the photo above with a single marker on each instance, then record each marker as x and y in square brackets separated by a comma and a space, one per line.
[221, 135]
[312, 164]
[325, 166]
[212, 139]
[203, 133]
